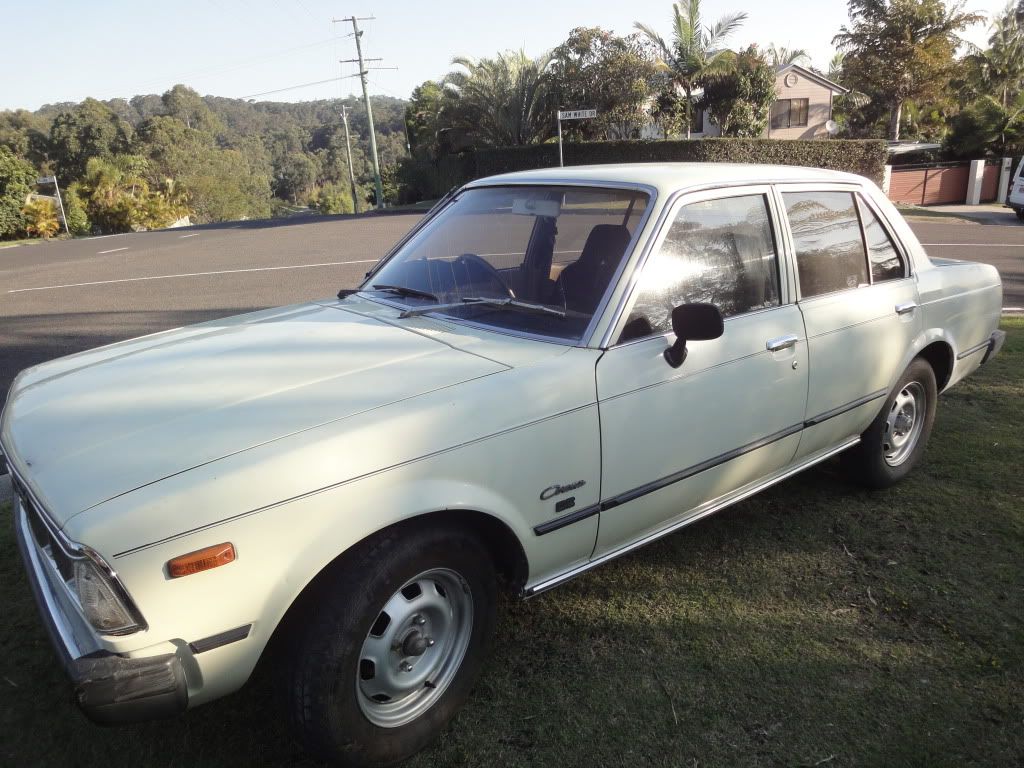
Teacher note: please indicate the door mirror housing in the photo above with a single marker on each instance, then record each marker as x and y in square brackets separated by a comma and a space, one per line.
[693, 322]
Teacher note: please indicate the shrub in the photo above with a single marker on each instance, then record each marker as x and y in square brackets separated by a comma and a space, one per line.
[334, 198]
[41, 218]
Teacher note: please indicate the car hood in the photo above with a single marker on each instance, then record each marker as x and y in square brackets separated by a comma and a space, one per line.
[86, 428]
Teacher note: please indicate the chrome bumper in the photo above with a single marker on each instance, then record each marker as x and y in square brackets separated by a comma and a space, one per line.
[109, 688]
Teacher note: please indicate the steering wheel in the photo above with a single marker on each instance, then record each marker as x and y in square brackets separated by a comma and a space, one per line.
[483, 269]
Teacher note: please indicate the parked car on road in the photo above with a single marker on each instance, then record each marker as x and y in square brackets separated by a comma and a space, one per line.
[554, 368]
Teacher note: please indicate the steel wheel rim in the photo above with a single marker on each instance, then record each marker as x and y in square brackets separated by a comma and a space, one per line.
[414, 648]
[904, 424]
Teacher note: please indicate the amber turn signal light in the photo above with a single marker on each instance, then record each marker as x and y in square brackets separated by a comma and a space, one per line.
[201, 560]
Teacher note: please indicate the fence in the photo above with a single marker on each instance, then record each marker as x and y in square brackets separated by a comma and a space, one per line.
[940, 183]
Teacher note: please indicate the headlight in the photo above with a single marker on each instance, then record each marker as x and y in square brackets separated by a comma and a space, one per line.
[99, 599]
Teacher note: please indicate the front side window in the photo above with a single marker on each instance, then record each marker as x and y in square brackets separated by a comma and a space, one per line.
[789, 113]
[827, 238]
[720, 252]
[493, 250]
[886, 262]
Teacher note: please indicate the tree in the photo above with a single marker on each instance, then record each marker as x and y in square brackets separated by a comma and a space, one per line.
[740, 100]
[183, 103]
[294, 176]
[500, 102]
[999, 69]
[617, 76]
[41, 218]
[781, 56]
[90, 130]
[898, 50]
[987, 127]
[17, 179]
[421, 119]
[696, 51]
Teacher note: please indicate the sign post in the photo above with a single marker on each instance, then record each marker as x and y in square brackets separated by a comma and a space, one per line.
[56, 186]
[571, 114]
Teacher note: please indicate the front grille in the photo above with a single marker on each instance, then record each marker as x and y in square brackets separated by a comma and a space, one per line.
[41, 535]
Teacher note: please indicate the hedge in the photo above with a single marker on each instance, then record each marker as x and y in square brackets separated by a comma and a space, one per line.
[423, 180]
[866, 158]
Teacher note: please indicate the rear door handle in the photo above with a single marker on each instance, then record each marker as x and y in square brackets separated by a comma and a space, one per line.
[781, 342]
[905, 307]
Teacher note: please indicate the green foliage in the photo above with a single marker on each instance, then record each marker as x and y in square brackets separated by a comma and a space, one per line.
[294, 176]
[334, 198]
[740, 100]
[118, 198]
[17, 180]
[74, 210]
[696, 52]
[866, 158]
[41, 218]
[617, 76]
[90, 130]
[987, 127]
[501, 102]
[900, 50]
[422, 117]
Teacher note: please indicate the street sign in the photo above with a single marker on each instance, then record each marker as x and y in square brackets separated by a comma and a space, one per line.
[46, 180]
[576, 114]
[571, 114]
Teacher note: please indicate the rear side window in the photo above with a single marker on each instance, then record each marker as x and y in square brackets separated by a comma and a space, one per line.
[886, 261]
[717, 251]
[827, 238]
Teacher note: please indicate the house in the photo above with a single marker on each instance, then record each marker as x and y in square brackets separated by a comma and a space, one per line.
[803, 105]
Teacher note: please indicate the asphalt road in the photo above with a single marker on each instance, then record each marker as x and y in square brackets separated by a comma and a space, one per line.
[63, 297]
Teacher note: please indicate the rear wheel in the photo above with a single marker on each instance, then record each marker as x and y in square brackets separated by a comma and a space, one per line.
[394, 641]
[893, 444]
[1020, 214]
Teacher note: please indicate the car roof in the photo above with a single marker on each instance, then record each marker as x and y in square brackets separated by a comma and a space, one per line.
[669, 177]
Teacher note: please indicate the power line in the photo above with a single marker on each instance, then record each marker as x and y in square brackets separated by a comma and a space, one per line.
[300, 85]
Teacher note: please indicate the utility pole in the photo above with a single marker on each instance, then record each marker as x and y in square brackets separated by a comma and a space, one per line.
[348, 153]
[366, 100]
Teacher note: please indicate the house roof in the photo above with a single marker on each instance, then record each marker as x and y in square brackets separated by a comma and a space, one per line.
[810, 74]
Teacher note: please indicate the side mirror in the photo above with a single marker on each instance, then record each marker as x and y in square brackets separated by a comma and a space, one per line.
[693, 322]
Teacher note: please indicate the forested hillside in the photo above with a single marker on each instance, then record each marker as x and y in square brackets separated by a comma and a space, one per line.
[147, 161]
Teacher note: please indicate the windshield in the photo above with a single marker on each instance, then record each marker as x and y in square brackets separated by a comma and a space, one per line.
[508, 256]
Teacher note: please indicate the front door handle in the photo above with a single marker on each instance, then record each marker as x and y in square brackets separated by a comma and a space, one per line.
[905, 307]
[781, 342]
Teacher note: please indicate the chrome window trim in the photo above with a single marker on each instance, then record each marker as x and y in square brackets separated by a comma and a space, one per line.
[666, 218]
[863, 200]
[833, 186]
[585, 338]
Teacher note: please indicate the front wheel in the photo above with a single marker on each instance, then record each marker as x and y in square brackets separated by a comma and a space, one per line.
[893, 444]
[395, 640]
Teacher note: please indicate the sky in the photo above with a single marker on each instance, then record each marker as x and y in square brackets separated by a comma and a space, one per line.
[245, 48]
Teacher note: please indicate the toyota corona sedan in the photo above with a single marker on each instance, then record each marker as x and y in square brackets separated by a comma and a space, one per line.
[552, 369]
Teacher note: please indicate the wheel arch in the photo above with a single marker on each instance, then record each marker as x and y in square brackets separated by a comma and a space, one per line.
[503, 545]
[939, 355]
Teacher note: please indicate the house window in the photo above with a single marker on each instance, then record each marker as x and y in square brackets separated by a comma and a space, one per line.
[789, 113]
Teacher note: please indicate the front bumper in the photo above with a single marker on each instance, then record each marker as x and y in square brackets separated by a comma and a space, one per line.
[109, 688]
[995, 343]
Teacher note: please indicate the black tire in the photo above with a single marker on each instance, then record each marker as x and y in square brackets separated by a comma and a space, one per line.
[866, 462]
[324, 660]
[1020, 214]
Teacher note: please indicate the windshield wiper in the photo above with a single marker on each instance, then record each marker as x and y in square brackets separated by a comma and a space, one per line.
[482, 301]
[401, 290]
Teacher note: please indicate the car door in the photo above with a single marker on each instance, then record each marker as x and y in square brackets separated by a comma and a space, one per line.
[859, 306]
[673, 440]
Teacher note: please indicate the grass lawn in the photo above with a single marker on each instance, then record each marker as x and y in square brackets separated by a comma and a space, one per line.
[814, 624]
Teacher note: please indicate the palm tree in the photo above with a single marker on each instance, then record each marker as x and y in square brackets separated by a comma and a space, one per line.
[781, 56]
[696, 51]
[1001, 65]
[501, 102]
